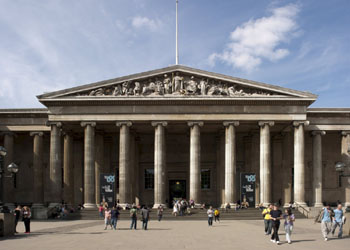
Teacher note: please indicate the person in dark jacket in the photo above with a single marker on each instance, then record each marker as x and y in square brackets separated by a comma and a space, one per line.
[17, 213]
[145, 217]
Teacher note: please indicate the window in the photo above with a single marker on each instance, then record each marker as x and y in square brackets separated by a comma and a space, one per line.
[149, 178]
[205, 178]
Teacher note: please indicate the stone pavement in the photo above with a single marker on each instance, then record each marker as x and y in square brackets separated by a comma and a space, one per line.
[166, 235]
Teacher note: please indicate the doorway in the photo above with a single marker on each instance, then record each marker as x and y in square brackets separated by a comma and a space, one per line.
[177, 190]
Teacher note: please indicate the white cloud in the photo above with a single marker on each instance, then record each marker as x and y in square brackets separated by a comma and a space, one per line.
[144, 22]
[259, 39]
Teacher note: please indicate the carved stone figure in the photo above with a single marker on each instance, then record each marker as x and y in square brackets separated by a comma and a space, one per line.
[191, 87]
[125, 88]
[167, 84]
[97, 92]
[159, 87]
[177, 83]
[203, 86]
[137, 89]
[149, 89]
[117, 90]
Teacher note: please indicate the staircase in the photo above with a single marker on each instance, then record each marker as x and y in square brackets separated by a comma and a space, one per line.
[196, 214]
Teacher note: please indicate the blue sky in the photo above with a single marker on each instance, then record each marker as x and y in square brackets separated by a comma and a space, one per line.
[57, 44]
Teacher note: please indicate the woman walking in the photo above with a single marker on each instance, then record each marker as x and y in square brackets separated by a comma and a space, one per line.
[210, 214]
[26, 219]
[160, 212]
[108, 216]
[17, 213]
[276, 216]
[288, 224]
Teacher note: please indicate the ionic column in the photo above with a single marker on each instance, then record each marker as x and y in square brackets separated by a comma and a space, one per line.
[99, 166]
[68, 171]
[345, 153]
[55, 164]
[38, 171]
[230, 162]
[159, 164]
[317, 167]
[299, 164]
[9, 195]
[124, 163]
[265, 162]
[89, 164]
[195, 158]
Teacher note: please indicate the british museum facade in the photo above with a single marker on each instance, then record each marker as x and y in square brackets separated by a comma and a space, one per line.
[176, 132]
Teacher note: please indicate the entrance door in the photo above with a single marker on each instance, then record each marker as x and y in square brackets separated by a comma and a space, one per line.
[177, 190]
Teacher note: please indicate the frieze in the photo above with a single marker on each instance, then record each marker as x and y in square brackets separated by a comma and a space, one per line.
[177, 84]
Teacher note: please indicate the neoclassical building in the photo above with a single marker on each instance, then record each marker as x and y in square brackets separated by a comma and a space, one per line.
[176, 132]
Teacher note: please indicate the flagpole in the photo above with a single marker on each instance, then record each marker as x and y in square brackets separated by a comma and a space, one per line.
[177, 46]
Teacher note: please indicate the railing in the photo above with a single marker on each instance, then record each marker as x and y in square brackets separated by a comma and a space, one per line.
[302, 209]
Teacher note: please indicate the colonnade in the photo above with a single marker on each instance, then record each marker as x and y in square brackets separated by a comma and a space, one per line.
[160, 167]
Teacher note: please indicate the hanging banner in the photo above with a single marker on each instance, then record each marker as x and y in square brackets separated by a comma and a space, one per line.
[107, 192]
[248, 188]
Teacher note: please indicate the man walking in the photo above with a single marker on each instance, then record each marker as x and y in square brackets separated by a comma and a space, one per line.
[325, 217]
[338, 221]
[145, 217]
[133, 216]
[267, 219]
[114, 217]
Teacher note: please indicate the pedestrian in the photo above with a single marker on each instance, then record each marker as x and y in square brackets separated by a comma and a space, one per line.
[289, 219]
[145, 217]
[17, 213]
[267, 219]
[175, 210]
[338, 221]
[114, 217]
[210, 214]
[26, 218]
[160, 212]
[133, 216]
[325, 217]
[107, 217]
[100, 210]
[217, 215]
[276, 216]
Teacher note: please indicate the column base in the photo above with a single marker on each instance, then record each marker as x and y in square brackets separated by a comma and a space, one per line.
[155, 206]
[38, 205]
[232, 205]
[54, 204]
[266, 204]
[318, 205]
[347, 204]
[301, 203]
[40, 212]
[90, 206]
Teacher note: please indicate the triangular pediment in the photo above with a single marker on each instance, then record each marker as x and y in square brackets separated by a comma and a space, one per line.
[176, 82]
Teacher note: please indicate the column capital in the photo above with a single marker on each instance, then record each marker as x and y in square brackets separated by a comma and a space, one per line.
[50, 123]
[156, 123]
[39, 133]
[84, 124]
[263, 123]
[228, 123]
[192, 123]
[345, 132]
[298, 123]
[10, 133]
[318, 132]
[121, 123]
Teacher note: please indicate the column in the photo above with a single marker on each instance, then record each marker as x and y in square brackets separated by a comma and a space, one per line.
[317, 167]
[38, 171]
[89, 164]
[68, 171]
[195, 158]
[99, 166]
[287, 163]
[55, 164]
[265, 162]
[124, 163]
[230, 162]
[9, 195]
[159, 164]
[299, 164]
[345, 153]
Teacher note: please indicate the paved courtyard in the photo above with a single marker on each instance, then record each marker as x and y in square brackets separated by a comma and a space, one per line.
[165, 235]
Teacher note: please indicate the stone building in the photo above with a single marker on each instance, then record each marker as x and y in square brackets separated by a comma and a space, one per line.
[176, 132]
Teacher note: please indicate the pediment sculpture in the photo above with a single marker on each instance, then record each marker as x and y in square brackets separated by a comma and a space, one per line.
[177, 85]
